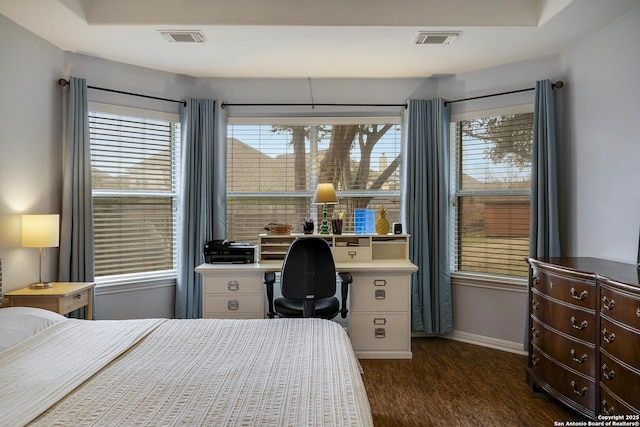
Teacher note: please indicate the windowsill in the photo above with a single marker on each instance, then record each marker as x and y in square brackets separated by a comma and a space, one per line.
[504, 283]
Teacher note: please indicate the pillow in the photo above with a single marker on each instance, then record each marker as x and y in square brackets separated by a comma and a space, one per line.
[19, 323]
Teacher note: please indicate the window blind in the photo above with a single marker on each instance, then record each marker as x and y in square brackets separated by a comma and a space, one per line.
[134, 180]
[273, 170]
[491, 183]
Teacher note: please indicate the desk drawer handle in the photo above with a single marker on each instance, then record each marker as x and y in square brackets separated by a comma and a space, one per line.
[608, 375]
[581, 326]
[611, 410]
[580, 297]
[609, 338]
[352, 254]
[380, 332]
[380, 294]
[233, 285]
[581, 392]
[574, 356]
[77, 296]
[379, 321]
[608, 304]
[379, 282]
[233, 304]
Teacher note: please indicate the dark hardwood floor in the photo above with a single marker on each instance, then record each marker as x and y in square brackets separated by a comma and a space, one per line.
[450, 383]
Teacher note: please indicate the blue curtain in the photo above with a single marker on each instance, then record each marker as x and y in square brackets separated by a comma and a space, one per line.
[544, 238]
[425, 201]
[202, 197]
[76, 233]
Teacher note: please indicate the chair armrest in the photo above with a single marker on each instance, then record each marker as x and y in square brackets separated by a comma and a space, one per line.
[346, 280]
[269, 279]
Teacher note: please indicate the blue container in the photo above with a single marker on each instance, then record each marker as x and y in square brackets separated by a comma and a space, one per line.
[364, 221]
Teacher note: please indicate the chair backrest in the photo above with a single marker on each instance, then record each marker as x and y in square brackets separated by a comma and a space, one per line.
[308, 269]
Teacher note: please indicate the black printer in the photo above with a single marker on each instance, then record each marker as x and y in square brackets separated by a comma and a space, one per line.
[220, 251]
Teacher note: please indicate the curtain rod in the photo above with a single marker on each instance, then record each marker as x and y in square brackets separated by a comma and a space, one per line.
[63, 82]
[557, 85]
[225, 104]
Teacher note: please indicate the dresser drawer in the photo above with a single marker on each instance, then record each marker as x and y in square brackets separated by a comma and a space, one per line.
[621, 306]
[573, 354]
[578, 389]
[74, 302]
[611, 405]
[620, 380]
[240, 306]
[574, 321]
[576, 291]
[382, 331]
[380, 293]
[233, 284]
[620, 342]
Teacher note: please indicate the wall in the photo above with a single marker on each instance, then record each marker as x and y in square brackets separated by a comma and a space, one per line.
[599, 150]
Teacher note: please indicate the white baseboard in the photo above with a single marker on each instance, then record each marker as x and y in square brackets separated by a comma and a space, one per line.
[495, 343]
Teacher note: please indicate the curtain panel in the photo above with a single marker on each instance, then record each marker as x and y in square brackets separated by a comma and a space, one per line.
[202, 202]
[76, 262]
[425, 202]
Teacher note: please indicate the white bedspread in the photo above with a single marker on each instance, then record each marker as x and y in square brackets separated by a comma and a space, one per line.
[280, 372]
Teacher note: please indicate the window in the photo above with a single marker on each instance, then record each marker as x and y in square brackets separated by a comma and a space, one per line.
[274, 166]
[134, 177]
[491, 187]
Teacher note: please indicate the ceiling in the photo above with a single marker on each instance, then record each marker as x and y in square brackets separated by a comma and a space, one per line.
[322, 38]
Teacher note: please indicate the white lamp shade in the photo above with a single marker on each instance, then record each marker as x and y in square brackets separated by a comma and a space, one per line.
[40, 231]
[325, 193]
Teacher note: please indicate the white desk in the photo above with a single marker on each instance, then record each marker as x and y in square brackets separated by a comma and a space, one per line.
[379, 301]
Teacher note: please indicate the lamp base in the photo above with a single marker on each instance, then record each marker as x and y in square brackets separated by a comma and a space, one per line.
[41, 285]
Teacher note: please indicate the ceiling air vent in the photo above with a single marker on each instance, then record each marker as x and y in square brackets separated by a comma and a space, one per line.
[183, 36]
[426, 37]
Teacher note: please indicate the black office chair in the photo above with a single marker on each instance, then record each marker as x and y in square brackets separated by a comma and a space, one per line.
[308, 282]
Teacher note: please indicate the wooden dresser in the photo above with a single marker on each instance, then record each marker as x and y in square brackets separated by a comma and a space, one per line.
[584, 335]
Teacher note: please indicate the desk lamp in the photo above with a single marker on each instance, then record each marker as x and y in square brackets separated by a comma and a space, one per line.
[325, 194]
[40, 231]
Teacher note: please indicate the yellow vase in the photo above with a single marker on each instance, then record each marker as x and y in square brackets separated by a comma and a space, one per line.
[382, 224]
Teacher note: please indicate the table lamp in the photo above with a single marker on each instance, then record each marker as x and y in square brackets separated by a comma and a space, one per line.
[40, 231]
[325, 194]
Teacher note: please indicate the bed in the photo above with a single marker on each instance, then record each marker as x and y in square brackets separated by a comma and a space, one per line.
[213, 372]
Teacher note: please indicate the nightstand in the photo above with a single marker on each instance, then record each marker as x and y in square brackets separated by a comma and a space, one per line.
[62, 297]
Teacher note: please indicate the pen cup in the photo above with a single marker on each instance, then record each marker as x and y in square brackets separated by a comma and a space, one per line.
[336, 226]
[306, 227]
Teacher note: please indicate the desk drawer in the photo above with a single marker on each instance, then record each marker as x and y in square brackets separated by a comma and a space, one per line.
[229, 305]
[381, 331]
[233, 284]
[351, 254]
[380, 293]
[74, 302]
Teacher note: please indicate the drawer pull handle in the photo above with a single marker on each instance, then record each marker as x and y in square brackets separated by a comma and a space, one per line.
[77, 296]
[581, 392]
[582, 358]
[380, 332]
[611, 410]
[609, 338]
[581, 326]
[534, 360]
[352, 254]
[608, 304]
[608, 375]
[534, 332]
[536, 281]
[580, 297]
[233, 285]
[535, 305]
[379, 321]
[380, 294]
[379, 282]
[233, 304]
[637, 312]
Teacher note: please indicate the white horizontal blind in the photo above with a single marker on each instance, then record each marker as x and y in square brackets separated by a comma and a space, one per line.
[134, 179]
[491, 183]
[273, 170]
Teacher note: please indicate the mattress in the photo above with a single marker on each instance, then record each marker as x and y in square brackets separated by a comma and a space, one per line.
[214, 372]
